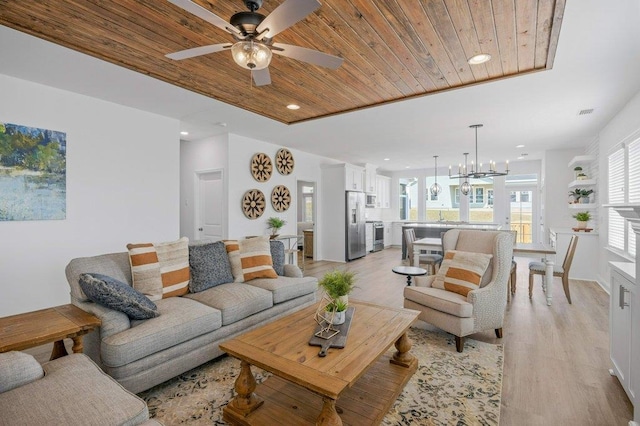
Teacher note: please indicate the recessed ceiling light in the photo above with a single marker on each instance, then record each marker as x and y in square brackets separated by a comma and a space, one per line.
[293, 106]
[479, 59]
[221, 124]
[407, 167]
[519, 146]
[387, 159]
[184, 133]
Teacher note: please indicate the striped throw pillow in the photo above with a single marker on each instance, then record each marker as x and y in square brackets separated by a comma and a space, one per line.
[160, 270]
[233, 251]
[461, 271]
[250, 258]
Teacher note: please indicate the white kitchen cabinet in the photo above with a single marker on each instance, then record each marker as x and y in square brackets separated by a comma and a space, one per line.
[368, 234]
[354, 178]
[583, 266]
[370, 183]
[624, 324]
[396, 234]
[383, 192]
[387, 234]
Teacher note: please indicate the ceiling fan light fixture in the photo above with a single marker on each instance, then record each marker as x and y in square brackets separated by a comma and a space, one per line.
[251, 55]
[480, 58]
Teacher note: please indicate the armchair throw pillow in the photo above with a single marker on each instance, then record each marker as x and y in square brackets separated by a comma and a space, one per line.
[18, 369]
[461, 271]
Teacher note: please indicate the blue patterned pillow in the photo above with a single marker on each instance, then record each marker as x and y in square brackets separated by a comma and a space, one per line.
[209, 265]
[118, 296]
[277, 256]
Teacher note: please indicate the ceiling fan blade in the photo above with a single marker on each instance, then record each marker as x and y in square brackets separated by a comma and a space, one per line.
[198, 51]
[207, 15]
[311, 56]
[285, 15]
[261, 77]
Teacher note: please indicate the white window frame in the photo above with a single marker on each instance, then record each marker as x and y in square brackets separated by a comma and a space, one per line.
[624, 179]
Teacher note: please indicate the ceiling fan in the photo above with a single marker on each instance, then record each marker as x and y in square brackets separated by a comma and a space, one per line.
[254, 34]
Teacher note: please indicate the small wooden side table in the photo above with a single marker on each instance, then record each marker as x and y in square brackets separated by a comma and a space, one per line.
[22, 331]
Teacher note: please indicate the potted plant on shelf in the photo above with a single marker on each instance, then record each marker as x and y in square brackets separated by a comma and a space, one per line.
[575, 196]
[275, 223]
[578, 170]
[584, 195]
[582, 218]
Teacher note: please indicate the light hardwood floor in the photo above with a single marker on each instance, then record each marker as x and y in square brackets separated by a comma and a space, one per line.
[556, 363]
[556, 366]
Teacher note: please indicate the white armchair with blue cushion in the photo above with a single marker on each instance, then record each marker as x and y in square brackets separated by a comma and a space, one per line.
[483, 306]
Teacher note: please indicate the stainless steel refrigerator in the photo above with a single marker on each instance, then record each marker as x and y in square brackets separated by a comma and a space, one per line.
[355, 232]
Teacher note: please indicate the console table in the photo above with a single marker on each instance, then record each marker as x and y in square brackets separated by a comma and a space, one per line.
[23, 331]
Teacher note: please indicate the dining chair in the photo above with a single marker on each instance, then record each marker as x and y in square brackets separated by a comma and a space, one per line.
[432, 260]
[513, 274]
[539, 268]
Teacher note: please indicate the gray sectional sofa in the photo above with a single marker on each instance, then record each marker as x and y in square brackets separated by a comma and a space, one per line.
[140, 354]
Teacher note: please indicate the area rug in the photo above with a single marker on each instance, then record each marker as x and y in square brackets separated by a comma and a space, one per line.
[448, 389]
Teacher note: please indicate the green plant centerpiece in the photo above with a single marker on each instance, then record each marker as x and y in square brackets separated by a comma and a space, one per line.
[275, 223]
[336, 285]
[582, 218]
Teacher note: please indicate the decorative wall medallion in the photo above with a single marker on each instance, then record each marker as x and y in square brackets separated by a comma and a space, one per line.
[284, 161]
[280, 198]
[261, 167]
[253, 203]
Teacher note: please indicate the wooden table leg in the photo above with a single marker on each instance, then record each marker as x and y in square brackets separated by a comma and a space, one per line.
[402, 357]
[77, 345]
[59, 350]
[245, 401]
[329, 416]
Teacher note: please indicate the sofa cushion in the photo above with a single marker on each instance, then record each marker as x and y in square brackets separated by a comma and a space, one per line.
[73, 391]
[285, 288]
[461, 272]
[440, 300]
[18, 369]
[235, 300]
[180, 319]
[250, 258]
[277, 256]
[115, 265]
[209, 265]
[160, 270]
[117, 295]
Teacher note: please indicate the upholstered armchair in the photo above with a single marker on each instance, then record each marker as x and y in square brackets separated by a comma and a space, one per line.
[483, 307]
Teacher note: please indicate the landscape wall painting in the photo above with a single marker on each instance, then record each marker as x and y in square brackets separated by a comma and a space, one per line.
[33, 182]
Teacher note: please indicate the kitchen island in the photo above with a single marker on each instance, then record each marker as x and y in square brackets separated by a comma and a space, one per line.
[435, 229]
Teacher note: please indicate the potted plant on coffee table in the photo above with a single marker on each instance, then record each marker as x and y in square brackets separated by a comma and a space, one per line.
[338, 284]
[275, 223]
[582, 218]
[337, 311]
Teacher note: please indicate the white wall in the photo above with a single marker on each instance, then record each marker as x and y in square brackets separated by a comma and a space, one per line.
[307, 167]
[558, 175]
[122, 186]
[199, 156]
[624, 124]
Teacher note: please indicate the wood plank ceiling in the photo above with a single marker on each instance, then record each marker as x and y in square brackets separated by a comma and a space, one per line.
[393, 49]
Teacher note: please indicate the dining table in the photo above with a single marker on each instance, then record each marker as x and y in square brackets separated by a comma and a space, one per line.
[428, 244]
[548, 255]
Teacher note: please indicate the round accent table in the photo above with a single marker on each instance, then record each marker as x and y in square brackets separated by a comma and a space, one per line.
[409, 271]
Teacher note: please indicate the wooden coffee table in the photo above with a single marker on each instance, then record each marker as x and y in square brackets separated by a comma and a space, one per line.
[356, 385]
[30, 329]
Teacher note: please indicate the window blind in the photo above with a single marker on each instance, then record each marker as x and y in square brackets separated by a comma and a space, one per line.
[616, 195]
[634, 171]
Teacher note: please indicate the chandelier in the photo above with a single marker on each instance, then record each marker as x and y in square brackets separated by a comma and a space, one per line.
[435, 189]
[476, 172]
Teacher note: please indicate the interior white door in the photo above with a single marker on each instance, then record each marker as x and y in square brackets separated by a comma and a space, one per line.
[210, 221]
